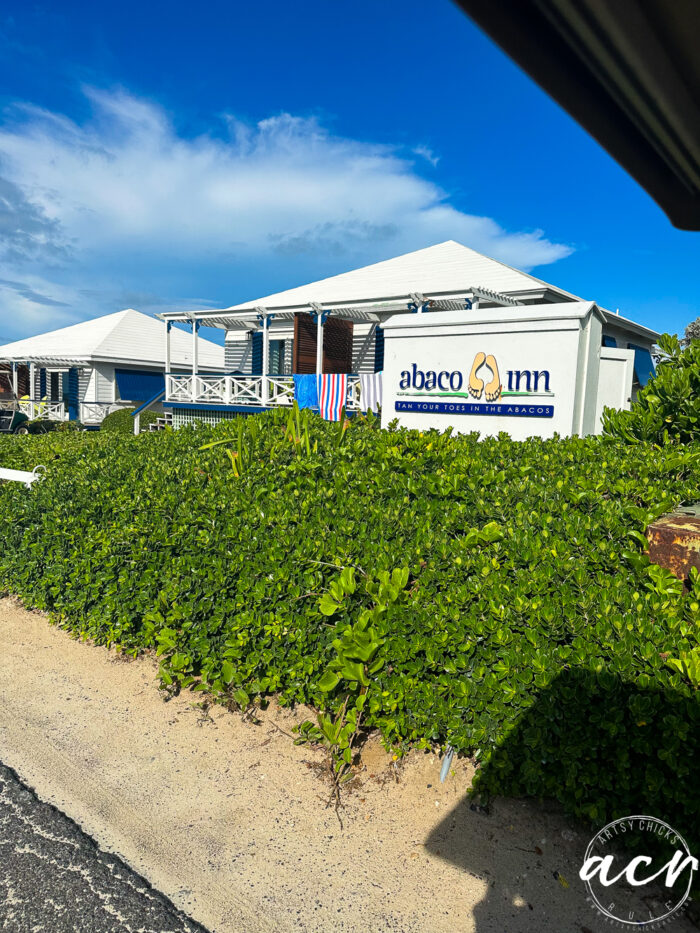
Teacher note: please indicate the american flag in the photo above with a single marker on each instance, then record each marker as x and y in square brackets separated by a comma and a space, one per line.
[332, 392]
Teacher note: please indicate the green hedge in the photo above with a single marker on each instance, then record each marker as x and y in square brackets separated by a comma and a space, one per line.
[44, 426]
[121, 421]
[667, 409]
[532, 632]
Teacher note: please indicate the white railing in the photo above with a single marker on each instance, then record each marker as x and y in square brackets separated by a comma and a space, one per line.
[258, 391]
[41, 408]
[353, 397]
[280, 390]
[96, 412]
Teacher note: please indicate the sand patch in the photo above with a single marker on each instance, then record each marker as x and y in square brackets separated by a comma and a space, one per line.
[229, 818]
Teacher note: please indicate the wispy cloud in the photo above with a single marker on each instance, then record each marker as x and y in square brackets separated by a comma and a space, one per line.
[123, 203]
[26, 232]
[29, 294]
[425, 152]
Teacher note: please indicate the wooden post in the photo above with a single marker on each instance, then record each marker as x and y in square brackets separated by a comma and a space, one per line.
[195, 358]
[15, 390]
[265, 359]
[32, 391]
[319, 342]
[166, 376]
[168, 325]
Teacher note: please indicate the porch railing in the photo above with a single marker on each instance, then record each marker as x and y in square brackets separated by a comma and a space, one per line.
[96, 412]
[257, 391]
[41, 408]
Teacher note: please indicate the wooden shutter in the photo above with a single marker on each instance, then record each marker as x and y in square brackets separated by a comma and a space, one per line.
[378, 349]
[304, 350]
[337, 346]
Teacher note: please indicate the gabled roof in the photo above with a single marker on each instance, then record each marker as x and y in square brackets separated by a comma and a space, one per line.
[446, 267]
[123, 337]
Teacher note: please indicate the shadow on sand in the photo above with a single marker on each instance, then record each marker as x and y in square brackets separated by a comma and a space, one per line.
[612, 750]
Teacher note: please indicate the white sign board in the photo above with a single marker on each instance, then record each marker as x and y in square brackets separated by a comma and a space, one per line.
[523, 370]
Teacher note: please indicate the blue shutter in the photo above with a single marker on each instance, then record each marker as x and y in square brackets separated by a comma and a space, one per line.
[643, 364]
[378, 349]
[609, 341]
[257, 353]
[73, 394]
[42, 383]
[138, 385]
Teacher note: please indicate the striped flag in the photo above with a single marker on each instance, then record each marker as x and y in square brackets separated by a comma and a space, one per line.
[370, 391]
[332, 392]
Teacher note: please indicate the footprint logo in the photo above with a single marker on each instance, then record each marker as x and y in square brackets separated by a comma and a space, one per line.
[492, 390]
[476, 386]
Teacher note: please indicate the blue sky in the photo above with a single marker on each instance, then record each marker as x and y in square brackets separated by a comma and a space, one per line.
[196, 155]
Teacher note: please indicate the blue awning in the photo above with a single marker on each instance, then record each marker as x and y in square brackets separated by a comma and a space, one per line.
[138, 385]
[643, 364]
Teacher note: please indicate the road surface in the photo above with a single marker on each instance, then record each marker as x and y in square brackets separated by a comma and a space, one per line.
[54, 878]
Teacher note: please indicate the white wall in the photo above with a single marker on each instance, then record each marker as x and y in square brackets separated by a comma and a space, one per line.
[103, 386]
[363, 345]
[615, 381]
[237, 351]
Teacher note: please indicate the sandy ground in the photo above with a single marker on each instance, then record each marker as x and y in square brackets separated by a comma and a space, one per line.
[228, 818]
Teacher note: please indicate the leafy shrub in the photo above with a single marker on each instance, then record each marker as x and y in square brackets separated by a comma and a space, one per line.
[667, 409]
[44, 426]
[122, 422]
[532, 632]
[41, 426]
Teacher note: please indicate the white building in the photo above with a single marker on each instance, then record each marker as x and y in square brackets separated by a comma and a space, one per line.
[345, 322]
[84, 371]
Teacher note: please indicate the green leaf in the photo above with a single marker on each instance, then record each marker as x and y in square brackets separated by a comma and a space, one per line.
[329, 681]
[328, 605]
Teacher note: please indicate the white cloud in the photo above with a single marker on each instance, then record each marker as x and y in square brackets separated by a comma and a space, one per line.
[425, 152]
[115, 204]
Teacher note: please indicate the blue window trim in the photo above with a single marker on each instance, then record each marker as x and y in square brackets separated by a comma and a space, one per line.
[644, 368]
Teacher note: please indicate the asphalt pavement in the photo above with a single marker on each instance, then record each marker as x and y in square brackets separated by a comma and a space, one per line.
[55, 879]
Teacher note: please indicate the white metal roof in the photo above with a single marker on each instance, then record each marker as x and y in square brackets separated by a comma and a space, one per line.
[446, 267]
[624, 323]
[127, 337]
[445, 274]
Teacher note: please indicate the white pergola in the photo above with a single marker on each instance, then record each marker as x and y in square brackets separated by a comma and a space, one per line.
[370, 311]
[51, 364]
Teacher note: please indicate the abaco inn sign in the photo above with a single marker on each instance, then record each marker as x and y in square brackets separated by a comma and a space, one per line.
[530, 370]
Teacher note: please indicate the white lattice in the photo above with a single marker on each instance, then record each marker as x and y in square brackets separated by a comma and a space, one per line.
[96, 412]
[182, 416]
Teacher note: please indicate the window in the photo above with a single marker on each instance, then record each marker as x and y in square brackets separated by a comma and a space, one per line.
[643, 364]
[276, 367]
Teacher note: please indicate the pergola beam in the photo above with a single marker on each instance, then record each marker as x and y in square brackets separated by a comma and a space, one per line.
[370, 310]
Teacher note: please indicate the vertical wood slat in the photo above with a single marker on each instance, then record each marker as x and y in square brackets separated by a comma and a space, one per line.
[337, 345]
